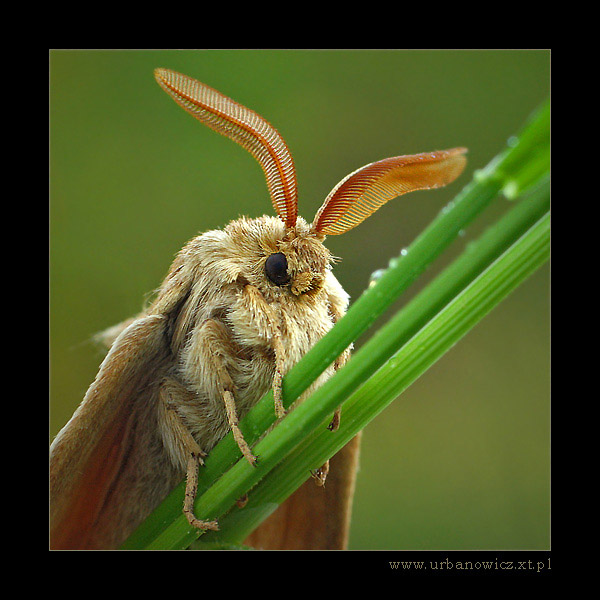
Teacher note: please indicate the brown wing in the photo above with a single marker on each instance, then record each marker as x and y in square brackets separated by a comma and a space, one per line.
[245, 127]
[314, 518]
[108, 466]
[361, 193]
[96, 492]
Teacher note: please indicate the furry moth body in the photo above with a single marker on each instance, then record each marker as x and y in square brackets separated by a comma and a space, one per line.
[237, 309]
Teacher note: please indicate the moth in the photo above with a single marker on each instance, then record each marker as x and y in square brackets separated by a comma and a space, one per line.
[237, 309]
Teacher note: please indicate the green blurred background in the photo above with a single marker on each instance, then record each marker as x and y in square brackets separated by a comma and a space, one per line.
[461, 459]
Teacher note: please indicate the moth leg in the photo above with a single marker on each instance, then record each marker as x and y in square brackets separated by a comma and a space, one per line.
[209, 344]
[336, 315]
[335, 421]
[337, 415]
[191, 487]
[238, 436]
[278, 377]
[270, 328]
[184, 439]
[320, 474]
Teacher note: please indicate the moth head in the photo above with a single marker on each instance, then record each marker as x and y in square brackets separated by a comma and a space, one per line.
[350, 202]
[279, 260]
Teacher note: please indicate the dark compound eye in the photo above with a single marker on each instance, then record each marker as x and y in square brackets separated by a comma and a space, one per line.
[276, 268]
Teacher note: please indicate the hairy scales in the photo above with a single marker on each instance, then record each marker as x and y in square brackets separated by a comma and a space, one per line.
[225, 265]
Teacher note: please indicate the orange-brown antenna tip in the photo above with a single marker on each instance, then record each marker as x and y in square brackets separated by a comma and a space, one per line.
[244, 126]
[365, 190]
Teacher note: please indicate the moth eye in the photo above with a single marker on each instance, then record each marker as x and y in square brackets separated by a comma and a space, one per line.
[276, 268]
